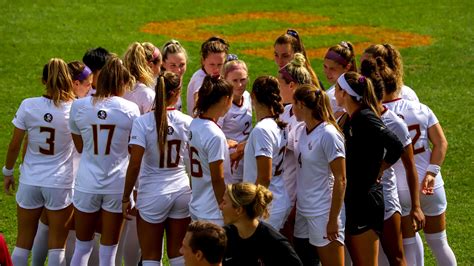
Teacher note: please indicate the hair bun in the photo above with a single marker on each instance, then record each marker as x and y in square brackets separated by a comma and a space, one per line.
[298, 60]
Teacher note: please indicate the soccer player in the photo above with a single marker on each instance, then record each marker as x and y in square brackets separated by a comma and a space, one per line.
[285, 48]
[208, 150]
[213, 55]
[237, 123]
[265, 148]
[370, 149]
[158, 142]
[339, 59]
[46, 179]
[175, 59]
[100, 127]
[135, 60]
[321, 175]
[424, 129]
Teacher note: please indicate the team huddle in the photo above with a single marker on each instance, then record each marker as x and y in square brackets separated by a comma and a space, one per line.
[342, 176]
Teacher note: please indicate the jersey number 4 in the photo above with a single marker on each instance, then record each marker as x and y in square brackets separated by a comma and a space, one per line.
[95, 137]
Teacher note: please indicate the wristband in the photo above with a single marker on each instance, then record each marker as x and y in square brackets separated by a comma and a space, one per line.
[433, 168]
[7, 172]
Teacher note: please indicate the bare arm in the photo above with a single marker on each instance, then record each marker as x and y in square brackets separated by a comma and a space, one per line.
[440, 146]
[136, 155]
[12, 154]
[217, 179]
[264, 170]
[338, 168]
[77, 139]
[408, 160]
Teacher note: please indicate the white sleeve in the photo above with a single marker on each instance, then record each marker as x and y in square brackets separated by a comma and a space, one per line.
[72, 120]
[19, 119]
[216, 147]
[138, 134]
[263, 143]
[432, 119]
[333, 146]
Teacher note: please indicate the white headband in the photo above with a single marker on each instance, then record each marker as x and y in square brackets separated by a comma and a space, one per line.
[345, 86]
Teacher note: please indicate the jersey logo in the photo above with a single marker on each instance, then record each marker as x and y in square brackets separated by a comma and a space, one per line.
[264, 149]
[102, 114]
[48, 117]
[170, 130]
[190, 135]
[401, 116]
[310, 146]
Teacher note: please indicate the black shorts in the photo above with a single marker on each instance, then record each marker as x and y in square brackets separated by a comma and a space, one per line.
[365, 211]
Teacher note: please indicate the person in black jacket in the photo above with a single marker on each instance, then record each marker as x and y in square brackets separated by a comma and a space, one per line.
[370, 149]
[249, 240]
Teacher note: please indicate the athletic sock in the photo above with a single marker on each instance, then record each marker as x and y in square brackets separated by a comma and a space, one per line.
[39, 252]
[420, 253]
[413, 247]
[82, 252]
[20, 256]
[57, 257]
[107, 255]
[438, 243]
[152, 263]
[178, 261]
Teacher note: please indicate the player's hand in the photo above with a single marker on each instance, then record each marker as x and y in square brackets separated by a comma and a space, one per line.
[127, 210]
[427, 184]
[332, 230]
[9, 184]
[235, 158]
[232, 143]
[418, 219]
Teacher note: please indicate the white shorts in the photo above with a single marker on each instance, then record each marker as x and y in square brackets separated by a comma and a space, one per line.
[277, 219]
[431, 205]
[156, 209]
[392, 204]
[90, 203]
[34, 197]
[314, 228]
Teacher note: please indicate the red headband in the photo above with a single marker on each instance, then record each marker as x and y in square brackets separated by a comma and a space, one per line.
[336, 57]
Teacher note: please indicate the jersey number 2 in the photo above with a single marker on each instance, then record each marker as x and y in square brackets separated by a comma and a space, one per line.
[417, 129]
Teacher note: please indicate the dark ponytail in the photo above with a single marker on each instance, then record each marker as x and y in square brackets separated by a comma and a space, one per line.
[266, 90]
[212, 90]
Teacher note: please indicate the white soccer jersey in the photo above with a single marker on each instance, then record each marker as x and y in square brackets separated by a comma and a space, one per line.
[207, 144]
[193, 87]
[316, 150]
[331, 92]
[105, 130]
[268, 140]
[290, 162]
[408, 93]
[48, 159]
[399, 128]
[162, 172]
[419, 118]
[236, 125]
[143, 96]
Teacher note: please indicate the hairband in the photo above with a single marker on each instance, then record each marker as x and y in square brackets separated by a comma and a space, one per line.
[345, 86]
[292, 33]
[156, 54]
[231, 57]
[215, 38]
[171, 42]
[233, 67]
[84, 74]
[336, 57]
[232, 197]
[361, 79]
[286, 75]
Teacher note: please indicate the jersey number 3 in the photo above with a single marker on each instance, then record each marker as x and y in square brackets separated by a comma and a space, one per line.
[49, 141]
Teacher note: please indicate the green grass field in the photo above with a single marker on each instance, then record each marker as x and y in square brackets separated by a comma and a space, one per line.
[32, 32]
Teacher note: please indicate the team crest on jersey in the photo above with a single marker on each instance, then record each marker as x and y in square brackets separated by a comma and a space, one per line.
[190, 135]
[310, 146]
[48, 117]
[102, 114]
[171, 130]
